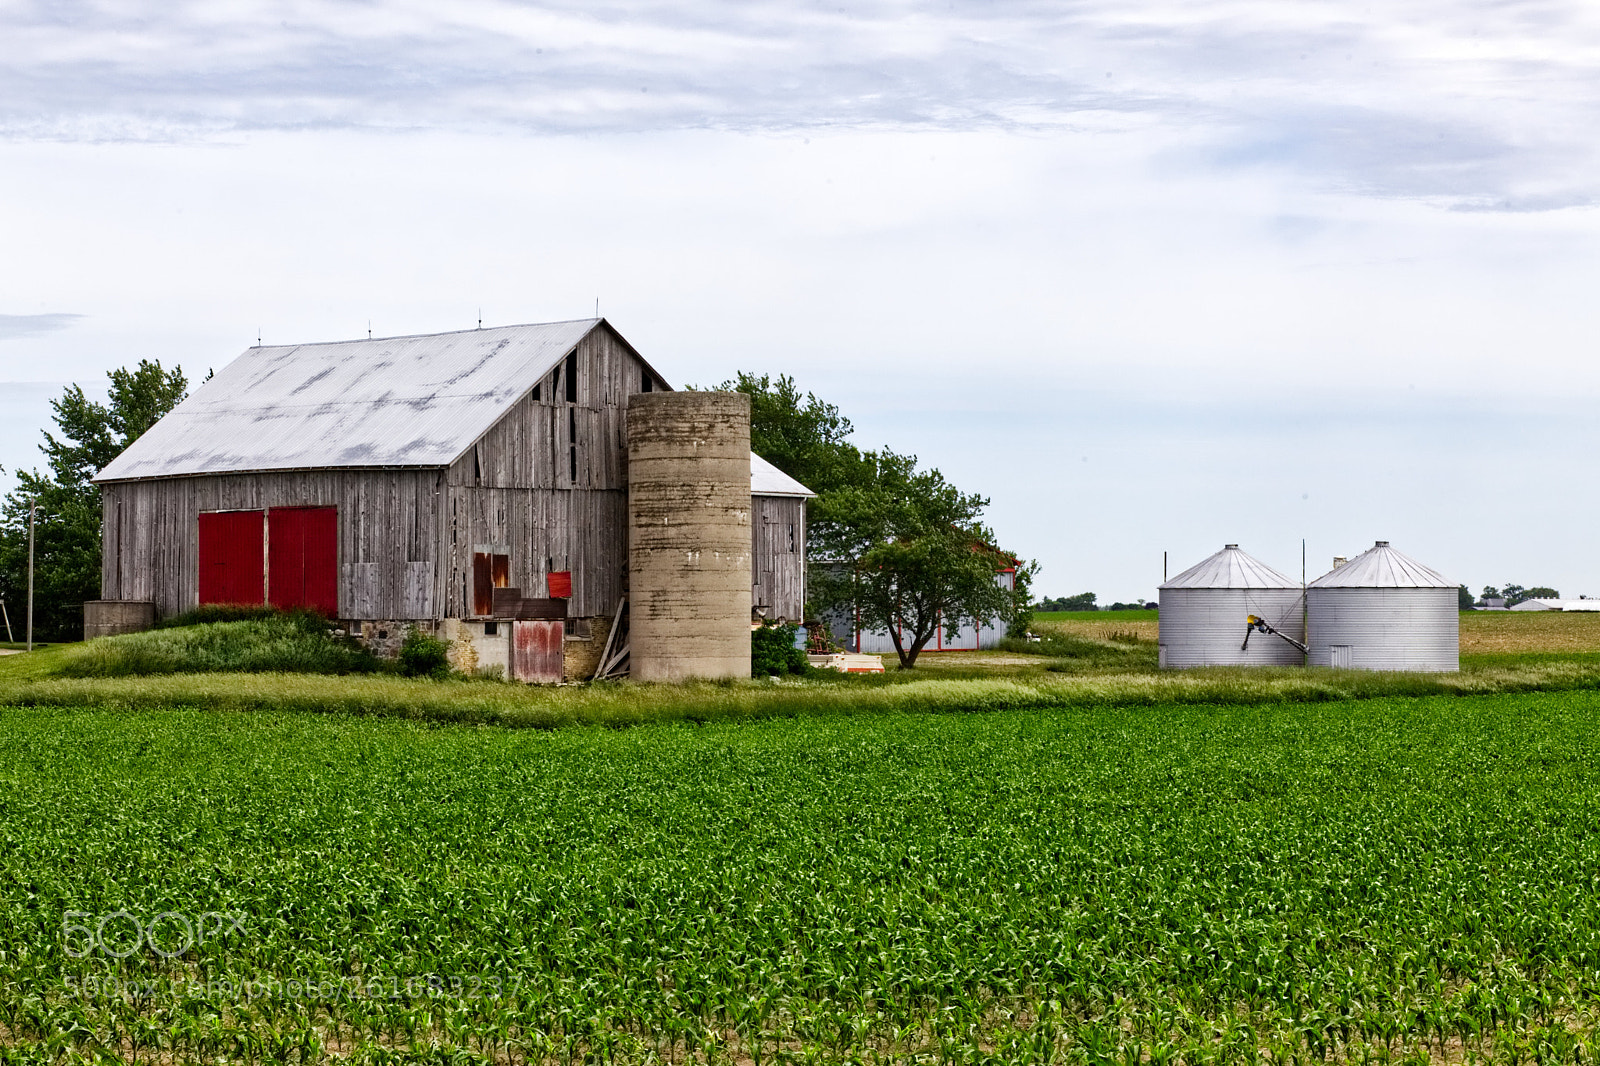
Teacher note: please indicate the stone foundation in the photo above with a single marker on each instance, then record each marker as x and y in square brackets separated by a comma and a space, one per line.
[581, 657]
[384, 636]
[480, 646]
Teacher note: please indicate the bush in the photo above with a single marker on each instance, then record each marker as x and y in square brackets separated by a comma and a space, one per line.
[772, 651]
[234, 612]
[291, 643]
[424, 655]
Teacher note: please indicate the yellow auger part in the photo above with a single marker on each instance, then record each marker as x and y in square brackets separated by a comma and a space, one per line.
[1251, 620]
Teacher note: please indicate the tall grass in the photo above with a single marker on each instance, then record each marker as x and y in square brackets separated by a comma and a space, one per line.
[630, 703]
[278, 643]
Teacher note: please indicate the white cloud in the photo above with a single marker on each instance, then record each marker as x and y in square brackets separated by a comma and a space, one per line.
[1485, 105]
[1144, 272]
[12, 326]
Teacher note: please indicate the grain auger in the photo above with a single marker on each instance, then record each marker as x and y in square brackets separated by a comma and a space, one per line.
[1256, 624]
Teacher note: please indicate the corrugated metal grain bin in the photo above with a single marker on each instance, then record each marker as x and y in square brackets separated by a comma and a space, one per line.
[1384, 611]
[1203, 613]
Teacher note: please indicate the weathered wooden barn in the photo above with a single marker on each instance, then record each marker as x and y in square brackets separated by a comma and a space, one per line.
[400, 481]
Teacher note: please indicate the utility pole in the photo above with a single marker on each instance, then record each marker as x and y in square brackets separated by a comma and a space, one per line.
[33, 507]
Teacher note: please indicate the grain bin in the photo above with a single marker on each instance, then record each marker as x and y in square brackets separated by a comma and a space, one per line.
[689, 535]
[1203, 613]
[1384, 611]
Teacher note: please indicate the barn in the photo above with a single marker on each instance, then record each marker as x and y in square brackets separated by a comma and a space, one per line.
[454, 481]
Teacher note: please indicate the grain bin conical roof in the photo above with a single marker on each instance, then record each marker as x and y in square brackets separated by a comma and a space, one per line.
[1381, 567]
[1231, 568]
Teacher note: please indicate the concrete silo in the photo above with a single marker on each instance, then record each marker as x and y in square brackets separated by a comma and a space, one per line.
[1205, 608]
[689, 537]
[1384, 611]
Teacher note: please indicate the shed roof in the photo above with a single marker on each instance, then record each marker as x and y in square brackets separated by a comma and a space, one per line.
[1231, 568]
[1381, 566]
[388, 402]
[768, 480]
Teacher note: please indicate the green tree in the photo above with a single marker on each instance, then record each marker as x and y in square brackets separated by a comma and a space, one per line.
[910, 555]
[1522, 595]
[1464, 599]
[67, 550]
[805, 437]
[886, 534]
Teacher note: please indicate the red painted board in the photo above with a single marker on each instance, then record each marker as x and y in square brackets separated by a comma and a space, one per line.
[536, 651]
[231, 569]
[303, 558]
[561, 584]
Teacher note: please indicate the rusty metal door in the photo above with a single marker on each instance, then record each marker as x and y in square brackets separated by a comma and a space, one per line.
[536, 650]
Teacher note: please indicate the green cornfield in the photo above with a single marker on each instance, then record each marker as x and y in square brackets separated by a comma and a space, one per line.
[1392, 879]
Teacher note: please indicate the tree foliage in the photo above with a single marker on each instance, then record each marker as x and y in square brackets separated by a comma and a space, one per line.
[912, 555]
[805, 437]
[1083, 601]
[903, 550]
[88, 435]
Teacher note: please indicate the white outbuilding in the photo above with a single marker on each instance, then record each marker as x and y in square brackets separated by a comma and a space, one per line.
[1384, 611]
[1204, 613]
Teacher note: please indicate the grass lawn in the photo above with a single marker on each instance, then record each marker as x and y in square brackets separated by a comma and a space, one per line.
[1394, 879]
[996, 857]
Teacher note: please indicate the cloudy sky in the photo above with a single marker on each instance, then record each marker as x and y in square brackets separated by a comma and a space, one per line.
[1152, 276]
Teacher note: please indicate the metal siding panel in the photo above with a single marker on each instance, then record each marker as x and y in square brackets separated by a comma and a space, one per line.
[399, 401]
[303, 558]
[537, 651]
[1206, 627]
[230, 557]
[1386, 628]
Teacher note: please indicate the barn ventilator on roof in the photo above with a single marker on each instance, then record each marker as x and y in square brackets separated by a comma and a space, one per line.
[1383, 610]
[1203, 608]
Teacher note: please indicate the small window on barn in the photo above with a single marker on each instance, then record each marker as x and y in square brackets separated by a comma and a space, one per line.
[572, 376]
[791, 537]
[536, 394]
[477, 467]
[646, 382]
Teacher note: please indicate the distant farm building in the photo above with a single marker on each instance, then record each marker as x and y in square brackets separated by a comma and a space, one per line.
[970, 634]
[463, 482]
[1545, 604]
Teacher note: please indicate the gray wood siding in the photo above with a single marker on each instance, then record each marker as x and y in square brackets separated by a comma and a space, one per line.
[406, 537]
[388, 522]
[778, 558]
[515, 487]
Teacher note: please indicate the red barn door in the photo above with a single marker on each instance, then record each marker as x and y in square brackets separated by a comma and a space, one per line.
[303, 558]
[231, 563]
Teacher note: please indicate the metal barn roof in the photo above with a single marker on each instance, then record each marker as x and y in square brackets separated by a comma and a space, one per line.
[1231, 568]
[394, 401]
[1380, 566]
[768, 480]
